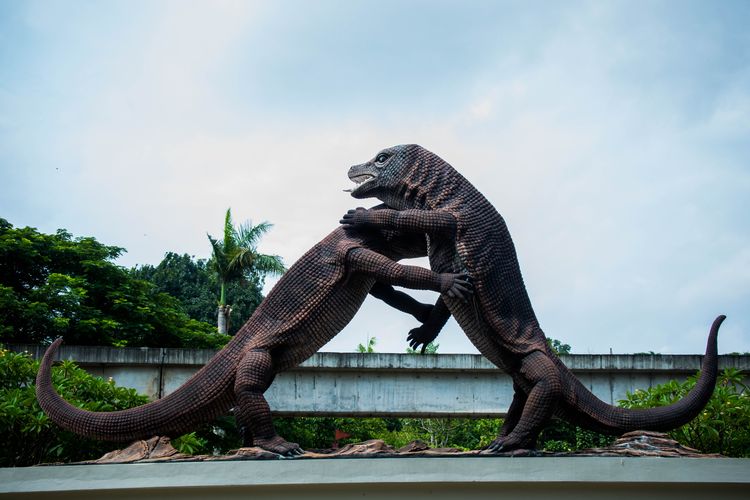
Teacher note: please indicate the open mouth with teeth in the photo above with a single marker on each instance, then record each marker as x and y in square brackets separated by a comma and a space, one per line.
[360, 180]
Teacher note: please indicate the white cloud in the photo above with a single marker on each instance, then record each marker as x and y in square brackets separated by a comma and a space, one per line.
[613, 192]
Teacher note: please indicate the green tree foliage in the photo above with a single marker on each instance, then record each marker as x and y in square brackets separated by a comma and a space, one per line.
[193, 283]
[558, 347]
[29, 437]
[218, 437]
[560, 435]
[462, 433]
[235, 257]
[319, 432]
[724, 424]
[27, 434]
[54, 285]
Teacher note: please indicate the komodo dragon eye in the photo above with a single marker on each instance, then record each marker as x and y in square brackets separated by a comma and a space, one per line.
[382, 157]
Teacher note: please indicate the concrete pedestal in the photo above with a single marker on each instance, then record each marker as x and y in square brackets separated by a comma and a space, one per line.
[480, 477]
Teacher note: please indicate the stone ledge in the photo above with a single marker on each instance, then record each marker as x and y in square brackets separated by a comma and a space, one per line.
[726, 477]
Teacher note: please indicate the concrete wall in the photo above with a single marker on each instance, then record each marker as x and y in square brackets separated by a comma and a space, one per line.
[387, 384]
[477, 477]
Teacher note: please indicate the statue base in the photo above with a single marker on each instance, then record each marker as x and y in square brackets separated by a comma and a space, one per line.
[631, 444]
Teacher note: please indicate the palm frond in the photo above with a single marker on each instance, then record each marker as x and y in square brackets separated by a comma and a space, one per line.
[249, 235]
[243, 259]
[236, 258]
[230, 234]
[219, 255]
[246, 260]
[270, 264]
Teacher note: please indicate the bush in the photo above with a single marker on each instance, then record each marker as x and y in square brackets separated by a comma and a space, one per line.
[27, 434]
[213, 438]
[318, 432]
[560, 435]
[724, 424]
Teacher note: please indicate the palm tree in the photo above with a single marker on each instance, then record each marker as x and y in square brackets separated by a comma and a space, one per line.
[236, 257]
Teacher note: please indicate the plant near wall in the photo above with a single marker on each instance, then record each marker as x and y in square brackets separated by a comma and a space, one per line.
[369, 348]
[28, 437]
[724, 424]
[560, 435]
[462, 433]
[27, 434]
[430, 348]
[217, 437]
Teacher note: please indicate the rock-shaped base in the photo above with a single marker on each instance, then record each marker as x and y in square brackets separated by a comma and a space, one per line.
[632, 444]
[158, 448]
[644, 444]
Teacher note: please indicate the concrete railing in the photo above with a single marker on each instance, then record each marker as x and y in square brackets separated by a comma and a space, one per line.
[387, 384]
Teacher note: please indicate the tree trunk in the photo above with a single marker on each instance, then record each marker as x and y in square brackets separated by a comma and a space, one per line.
[223, 312]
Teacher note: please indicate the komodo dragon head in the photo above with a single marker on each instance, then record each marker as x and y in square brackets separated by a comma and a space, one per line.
[400, 176]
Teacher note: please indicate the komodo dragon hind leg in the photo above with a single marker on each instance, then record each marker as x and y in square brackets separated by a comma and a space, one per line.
[543, 378]
[254, 376]
[514, 411]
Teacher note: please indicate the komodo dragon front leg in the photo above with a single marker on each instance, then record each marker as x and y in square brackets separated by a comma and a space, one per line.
[435, 223]
[402, 301]
[256, 371]
[384, 270]
[540, 385]
[439, 223]
[430, 327]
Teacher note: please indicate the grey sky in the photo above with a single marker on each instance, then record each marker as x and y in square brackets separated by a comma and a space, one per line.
[613, 138]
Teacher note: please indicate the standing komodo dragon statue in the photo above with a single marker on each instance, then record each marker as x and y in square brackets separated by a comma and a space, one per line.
[309, 305]
[465, 234]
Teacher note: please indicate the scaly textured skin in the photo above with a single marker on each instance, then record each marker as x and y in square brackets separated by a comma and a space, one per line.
[466, 234]
[309, 305]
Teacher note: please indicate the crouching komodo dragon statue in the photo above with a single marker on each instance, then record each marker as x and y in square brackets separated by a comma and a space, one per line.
[309, 305]
[465, 234]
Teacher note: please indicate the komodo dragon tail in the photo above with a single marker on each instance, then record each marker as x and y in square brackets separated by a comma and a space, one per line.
[595, 414]
[206, 395]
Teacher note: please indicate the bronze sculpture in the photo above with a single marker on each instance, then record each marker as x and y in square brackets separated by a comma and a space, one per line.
[435, 212]
[311, 303]
[465, 234]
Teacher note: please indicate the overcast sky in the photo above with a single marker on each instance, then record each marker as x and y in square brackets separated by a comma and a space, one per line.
[614, 137]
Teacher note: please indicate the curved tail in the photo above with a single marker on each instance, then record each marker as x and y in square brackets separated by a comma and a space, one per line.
[589, 411]
[206, 395]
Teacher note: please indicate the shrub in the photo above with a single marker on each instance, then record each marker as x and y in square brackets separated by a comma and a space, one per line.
[724, 424]
[28, 435]
[560, 435]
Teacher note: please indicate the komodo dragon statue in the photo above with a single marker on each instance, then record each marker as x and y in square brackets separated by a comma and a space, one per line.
[308, 306]
[465, 234]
